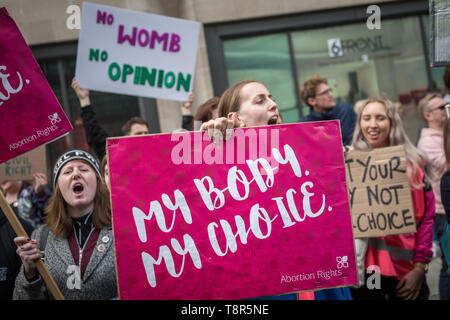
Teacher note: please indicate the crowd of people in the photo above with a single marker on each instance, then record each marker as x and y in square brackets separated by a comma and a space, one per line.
[71, 226]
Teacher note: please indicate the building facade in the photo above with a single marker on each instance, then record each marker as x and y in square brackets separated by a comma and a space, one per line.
[363, 48]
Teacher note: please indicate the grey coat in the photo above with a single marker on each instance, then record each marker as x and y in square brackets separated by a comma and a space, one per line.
[99, 279]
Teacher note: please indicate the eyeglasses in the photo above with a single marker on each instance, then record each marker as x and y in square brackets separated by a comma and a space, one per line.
[324, 92]
[440, 108]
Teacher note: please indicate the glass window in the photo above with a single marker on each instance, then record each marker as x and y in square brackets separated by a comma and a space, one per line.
[437, 73]
[357, 62]
[361, 63]
[265, 59]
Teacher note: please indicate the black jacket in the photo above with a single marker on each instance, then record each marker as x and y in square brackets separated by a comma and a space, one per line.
[187, 122]
[95, 134]
[9, 260]
[445, 194]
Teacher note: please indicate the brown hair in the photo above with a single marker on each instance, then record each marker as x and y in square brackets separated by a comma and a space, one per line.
[204, 112]
[423, 103]
[308, 89]
[102, 166]
[59, 221]
[230, 99]
[126, 128]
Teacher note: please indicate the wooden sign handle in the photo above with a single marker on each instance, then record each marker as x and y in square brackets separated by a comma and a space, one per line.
[20, 231]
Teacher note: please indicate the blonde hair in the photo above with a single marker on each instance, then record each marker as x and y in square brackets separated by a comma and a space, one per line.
[397, 136]
[423, 103]
[359, 105]
[230, 101]
[59, 221]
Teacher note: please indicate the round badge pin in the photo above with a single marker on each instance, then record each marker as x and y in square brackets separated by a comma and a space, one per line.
[101, 247]
[105, 239]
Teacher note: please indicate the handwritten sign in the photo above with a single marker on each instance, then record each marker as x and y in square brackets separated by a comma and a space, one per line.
[379, 192]
[30, 114]
[24, 166]
[136, 53]
[265, 213]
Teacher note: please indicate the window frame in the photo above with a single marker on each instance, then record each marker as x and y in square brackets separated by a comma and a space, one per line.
[217, 33]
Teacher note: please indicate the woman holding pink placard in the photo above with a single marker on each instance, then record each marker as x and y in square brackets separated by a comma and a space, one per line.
[402, 259]
[247, 104]
[77, 237]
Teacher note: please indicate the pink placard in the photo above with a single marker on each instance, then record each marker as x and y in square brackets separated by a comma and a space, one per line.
[265, 213]
[30, 114]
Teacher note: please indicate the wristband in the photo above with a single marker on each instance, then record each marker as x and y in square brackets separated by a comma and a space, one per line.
[421, 265]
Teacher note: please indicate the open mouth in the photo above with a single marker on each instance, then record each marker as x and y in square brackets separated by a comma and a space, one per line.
[273, 120]
[373, 134]
[77, 188]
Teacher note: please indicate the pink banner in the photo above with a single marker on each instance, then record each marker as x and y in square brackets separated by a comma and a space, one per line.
[30, 114]
[265, 213]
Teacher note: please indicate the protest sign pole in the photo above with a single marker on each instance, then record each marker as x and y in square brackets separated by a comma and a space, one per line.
[20, 231]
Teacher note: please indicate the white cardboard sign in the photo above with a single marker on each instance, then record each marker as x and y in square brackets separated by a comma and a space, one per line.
[135, 53]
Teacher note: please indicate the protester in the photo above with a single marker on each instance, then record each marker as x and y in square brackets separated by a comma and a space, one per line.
[247, 103]
[26, 199]
[444, 276]
[79, 250]
[402, 259]
[319, 98]
[135, 127]
[432, 108]
[9, 261]
[95, 134]
[207, 111]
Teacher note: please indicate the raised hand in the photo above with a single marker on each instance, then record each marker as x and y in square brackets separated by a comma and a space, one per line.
[82, 94]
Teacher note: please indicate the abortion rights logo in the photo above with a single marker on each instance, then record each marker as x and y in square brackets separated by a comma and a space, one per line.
[54, 118]
[342, 262]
